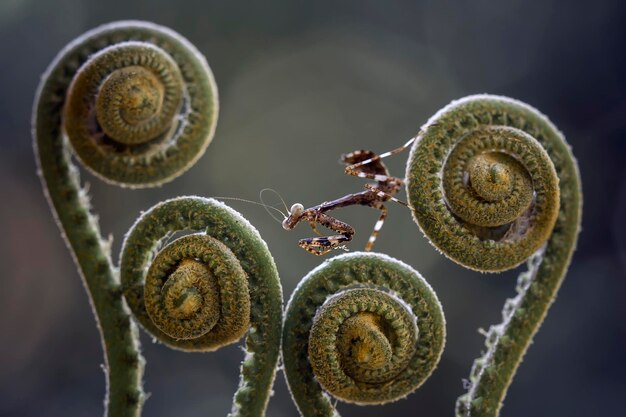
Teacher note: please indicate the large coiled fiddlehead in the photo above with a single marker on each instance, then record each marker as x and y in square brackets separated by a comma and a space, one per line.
[137, 104]
[492, 183]
[364, 327]
[206, 289]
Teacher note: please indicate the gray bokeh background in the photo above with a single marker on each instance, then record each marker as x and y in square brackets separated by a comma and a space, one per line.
[300, 83]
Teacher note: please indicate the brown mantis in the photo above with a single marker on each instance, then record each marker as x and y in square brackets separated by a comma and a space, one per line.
[363, 164]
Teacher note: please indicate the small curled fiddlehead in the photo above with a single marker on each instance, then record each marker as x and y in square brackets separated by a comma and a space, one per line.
[206, 289]
[196, 292]
[138, 105]
[364, 327]
[493, 183]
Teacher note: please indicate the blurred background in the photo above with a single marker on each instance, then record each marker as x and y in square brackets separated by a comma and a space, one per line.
[301, 83]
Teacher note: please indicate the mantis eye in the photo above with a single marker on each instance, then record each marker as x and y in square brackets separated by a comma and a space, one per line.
[296, 210]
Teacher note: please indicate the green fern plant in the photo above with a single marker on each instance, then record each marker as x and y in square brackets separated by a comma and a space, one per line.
[491, 183]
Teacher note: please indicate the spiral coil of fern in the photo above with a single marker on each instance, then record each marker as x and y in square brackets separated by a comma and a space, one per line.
[492, 183]
[206, 289]
[364, 327]
[123, 70]
[141, 107]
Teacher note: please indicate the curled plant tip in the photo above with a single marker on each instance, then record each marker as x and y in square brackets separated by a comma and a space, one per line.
[194, 295]
[206, 289]
[196, 290]
[139, 102]
[362, 327]
[481, 182]
[492, 183]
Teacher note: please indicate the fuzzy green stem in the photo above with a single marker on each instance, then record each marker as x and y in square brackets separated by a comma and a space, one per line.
[71, 208]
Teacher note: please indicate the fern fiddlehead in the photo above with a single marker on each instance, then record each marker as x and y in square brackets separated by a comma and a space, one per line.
[142, 106]
[205, 290]
[118, 73]
[492, 183]
[364, 327]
